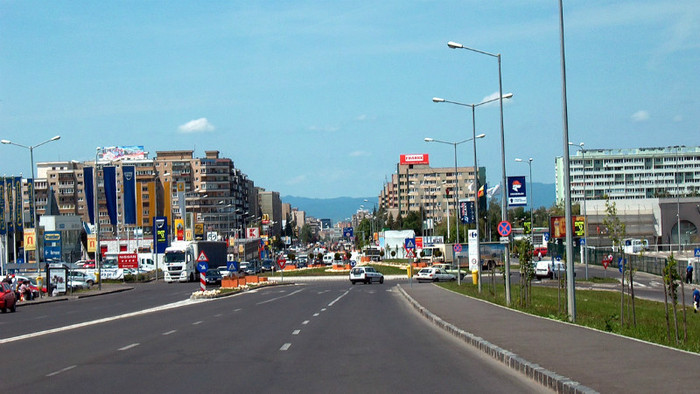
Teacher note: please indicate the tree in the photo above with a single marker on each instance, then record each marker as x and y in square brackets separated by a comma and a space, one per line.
[527, 270]
[616, 231]
[671, 278]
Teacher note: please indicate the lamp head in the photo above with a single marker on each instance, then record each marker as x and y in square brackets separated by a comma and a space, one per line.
[454, 45]
[428, 139]
[438, 100]
[6, 141]
[518, 160]
[507, 95]
[58, 137]
[480, 136]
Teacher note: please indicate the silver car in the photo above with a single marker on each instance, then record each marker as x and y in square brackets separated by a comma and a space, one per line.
[434, 274]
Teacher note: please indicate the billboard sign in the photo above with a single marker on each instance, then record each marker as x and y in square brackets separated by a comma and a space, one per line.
[52, 245]
[467, 211]
[517, 192]
[557, 226]
[416, 158]
[114, 153]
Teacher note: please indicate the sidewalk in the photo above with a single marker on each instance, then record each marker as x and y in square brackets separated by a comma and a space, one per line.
[107, 288]
[561, 356]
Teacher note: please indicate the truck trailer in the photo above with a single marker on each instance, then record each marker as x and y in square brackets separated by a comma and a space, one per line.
[181, 258]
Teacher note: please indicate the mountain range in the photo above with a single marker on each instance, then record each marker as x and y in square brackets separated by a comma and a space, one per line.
[341, 208]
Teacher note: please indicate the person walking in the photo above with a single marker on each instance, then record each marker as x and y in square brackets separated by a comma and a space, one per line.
[689, 273]
[696, 299]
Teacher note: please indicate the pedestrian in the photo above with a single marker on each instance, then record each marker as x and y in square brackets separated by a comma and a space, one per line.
[696, 299]
[689, 273]
[539, 256]
[23, 291]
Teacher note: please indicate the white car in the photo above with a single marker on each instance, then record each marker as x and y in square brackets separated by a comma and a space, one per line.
[434, 274]
[365, 275]
[82, 277]
[549, 269]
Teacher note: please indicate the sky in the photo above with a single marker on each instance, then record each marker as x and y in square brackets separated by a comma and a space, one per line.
[319, 99]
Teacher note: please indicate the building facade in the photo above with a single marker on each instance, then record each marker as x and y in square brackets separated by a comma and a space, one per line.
[416, 186]
[630, 173]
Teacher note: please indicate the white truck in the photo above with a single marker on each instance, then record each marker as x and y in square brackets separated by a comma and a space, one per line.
[181, 257]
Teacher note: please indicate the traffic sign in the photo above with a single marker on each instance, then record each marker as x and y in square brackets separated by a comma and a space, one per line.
[697, 252]
[232, 266]
[202, 257]
[202, 266]
[504, 228]
[546, 237]
[457, 248]
[410, 243]
[282, 263]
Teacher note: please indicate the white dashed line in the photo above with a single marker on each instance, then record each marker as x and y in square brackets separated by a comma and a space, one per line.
[323, 310]
[285, 347]
[338, 299]
[305, 322]
[170, 332]
[127, 347]
[316, 314]
[197, 322]
[296, 332]
[61, 371]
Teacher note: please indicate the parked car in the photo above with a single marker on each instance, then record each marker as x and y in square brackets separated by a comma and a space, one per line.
[451, 270]
[549, 269]
[213, 276]
[7, 298]
[249, 268]
[267, 265]
[539, 251]
[434, 274]
[366, 275]
[78, 276]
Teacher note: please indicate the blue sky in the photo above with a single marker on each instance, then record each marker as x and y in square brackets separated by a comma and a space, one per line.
[319, 98]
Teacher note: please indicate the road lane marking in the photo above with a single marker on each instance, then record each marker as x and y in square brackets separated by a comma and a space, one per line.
[296, 332]
[198, 322]
[316, 314]
[218, 315]
[323, 309]
[100, 321]
[285, 347]
[61, 371]
[127, 347]
[305, 322]
[280, 297]
[170, 332]
[338, 299]
[238, 309]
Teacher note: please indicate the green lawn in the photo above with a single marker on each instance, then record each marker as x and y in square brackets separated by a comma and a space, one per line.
[597, 309]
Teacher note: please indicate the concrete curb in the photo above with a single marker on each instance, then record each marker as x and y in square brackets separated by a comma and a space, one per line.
[546, 378]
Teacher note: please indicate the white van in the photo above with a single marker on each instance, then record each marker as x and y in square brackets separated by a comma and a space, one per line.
[633, 245]
[328, 258]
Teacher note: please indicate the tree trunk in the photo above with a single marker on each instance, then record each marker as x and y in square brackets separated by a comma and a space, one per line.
[668, 320]
[622, 295]
[685, 322]
[634, 311]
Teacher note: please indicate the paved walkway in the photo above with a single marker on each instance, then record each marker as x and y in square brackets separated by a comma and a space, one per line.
[565, 357]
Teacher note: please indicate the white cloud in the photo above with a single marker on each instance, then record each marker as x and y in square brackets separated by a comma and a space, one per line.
[196, 126]
[358, 153]
[299, 179]
[640, 116]
[328, 129]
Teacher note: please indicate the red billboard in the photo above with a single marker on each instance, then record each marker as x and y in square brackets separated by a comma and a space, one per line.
[415, 158]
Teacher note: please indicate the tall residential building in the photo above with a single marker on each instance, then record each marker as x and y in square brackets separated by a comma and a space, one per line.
[415, 184]
[631, 173]
[271, 205]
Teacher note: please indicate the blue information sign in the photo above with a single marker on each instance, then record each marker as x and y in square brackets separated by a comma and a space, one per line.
[232, 266]
[202, 266]
[52, 245]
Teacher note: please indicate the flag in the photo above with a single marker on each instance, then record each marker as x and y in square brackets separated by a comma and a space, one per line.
[492, 191]
[129, 185]
[481, 191]
[109, 174]
[3, 227]
[89, 193]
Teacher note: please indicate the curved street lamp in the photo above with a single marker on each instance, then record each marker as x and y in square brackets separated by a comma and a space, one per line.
[457, 186]
[35, 224]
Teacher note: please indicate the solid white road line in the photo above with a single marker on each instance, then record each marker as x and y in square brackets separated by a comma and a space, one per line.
[170, 332]
[99, 321]
[338, 299]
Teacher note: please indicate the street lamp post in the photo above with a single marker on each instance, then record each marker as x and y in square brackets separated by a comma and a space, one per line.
[585, 212]
[476, 176]
[532, 223]
[33, 201]
[504, 197]
[457, 192]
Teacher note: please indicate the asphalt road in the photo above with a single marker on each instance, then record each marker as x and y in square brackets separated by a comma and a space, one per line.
[326, 336]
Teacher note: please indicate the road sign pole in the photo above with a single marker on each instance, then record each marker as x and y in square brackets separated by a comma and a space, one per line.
[202, 281]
